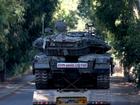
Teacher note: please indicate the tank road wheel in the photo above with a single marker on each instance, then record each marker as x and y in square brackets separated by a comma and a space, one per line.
[103, 81]
[41, 79]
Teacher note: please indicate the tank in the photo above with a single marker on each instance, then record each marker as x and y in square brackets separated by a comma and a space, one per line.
[71, 60]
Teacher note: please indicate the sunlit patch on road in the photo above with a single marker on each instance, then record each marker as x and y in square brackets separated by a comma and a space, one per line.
[118, 74]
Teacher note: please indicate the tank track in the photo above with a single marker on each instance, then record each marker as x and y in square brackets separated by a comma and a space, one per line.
[41, 79]
[103, 81]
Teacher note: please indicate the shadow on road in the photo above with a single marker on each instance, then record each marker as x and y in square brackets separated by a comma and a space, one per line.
[124, 93]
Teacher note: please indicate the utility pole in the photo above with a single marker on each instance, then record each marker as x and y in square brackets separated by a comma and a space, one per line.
[43, 23]
[43, 30]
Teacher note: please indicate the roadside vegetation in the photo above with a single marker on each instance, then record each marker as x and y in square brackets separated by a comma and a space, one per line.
[20, 24]
[118, 21]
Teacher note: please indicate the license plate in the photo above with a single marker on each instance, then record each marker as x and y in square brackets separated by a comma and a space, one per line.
[72, 65]
[71, 101]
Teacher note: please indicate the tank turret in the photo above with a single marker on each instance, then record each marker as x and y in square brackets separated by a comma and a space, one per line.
[74, 43]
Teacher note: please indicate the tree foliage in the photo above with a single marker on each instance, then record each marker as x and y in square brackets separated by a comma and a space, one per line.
[20, 24]
[119, 20]
[71, 18]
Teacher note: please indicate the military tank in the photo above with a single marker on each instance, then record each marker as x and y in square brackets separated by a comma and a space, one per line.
[71, 60]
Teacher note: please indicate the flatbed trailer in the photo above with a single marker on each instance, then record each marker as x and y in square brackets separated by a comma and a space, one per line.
[72, 97]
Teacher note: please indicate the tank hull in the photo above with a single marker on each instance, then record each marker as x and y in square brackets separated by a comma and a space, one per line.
[90, 71]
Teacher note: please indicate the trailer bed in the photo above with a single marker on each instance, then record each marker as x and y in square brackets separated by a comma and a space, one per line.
[90, 97]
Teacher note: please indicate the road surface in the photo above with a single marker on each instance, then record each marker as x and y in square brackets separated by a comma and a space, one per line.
[20, 97]
[122, 93]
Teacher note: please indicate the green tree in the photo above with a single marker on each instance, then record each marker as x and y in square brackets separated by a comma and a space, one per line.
[35, 9]
[20, 24]
[11, 14]
[119, 20]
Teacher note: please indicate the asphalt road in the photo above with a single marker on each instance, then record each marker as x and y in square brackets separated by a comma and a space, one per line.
[121, 94]
[20, 97]
[124, 93]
